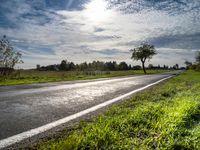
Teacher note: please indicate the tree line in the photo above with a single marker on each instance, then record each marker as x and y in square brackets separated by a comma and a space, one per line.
[99, 66]
[91, 66]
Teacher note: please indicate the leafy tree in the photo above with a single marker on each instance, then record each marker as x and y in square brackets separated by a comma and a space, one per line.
[196, 66]
[123, 66]
[143, 52]
[110, 66]
[63, 65]
[198, 57]
[150, 66]
[38, 67]
[8, 56]
[188, 64]
[71, 66]
[165, 67]
[129, 67]
[137, 67]
[83, 66]
[176, 67]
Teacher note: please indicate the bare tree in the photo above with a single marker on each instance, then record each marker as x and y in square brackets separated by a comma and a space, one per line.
[143, 52]
[8, 56]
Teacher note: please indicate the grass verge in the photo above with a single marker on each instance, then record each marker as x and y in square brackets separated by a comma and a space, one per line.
[166, 116]
[34, 76]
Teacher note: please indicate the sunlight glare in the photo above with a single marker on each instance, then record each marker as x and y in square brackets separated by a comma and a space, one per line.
[96, 11]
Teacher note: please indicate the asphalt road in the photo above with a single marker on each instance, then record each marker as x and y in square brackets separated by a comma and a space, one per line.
[25, 107]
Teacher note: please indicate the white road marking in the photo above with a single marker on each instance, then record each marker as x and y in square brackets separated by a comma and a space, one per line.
[33, 132]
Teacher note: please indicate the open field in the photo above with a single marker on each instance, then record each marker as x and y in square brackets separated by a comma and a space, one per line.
[34, 76]
[166, 116]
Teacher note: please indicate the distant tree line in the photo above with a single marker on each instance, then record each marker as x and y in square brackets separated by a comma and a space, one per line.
[98, 65]
[91, 66]
[165, 67]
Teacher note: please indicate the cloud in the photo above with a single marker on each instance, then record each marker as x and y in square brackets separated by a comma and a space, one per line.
[181, 41]
[86, 30]
[66, 4]
[172, 7]
[177, 41]
[108, 52]
[96, 29]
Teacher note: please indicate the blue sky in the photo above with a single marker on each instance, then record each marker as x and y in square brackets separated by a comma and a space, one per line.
[47, 31]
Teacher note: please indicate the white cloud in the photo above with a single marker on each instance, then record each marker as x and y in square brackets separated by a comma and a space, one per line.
[66, 32]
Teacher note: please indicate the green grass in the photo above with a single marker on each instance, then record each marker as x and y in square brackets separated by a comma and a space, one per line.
[166, 116]
[34, 76]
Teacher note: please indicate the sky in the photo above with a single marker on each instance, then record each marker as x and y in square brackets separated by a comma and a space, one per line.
[48, 31]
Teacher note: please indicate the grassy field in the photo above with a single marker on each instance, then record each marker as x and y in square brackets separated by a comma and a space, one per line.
[34, 76]
[166, 116]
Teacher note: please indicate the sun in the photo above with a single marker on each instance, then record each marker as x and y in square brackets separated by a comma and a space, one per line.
[96, 11]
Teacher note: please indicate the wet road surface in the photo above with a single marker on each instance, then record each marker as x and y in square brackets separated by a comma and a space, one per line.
[25, 107]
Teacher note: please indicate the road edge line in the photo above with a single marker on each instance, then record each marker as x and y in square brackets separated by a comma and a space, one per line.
[4, 143]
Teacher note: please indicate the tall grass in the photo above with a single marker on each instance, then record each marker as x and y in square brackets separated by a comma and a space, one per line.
[164, 117]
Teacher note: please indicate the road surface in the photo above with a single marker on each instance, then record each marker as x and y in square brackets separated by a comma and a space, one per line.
[25, 107]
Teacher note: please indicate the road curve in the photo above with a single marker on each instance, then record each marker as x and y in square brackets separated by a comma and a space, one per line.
[25, 107]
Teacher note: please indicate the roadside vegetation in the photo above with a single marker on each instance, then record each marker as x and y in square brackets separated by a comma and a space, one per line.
[35, 76]
[166, 116]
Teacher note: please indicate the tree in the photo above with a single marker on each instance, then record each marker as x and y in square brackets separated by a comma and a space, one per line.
[110, 65]
[63, 65]
[137, 67]
[83, 66]
[150, 66]
[38, 67]
[188, 64]
[71, 66]
[123, 66]
[198, 57]
[129, 67]
[8, 56]
[176, 67]
[143, 52]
